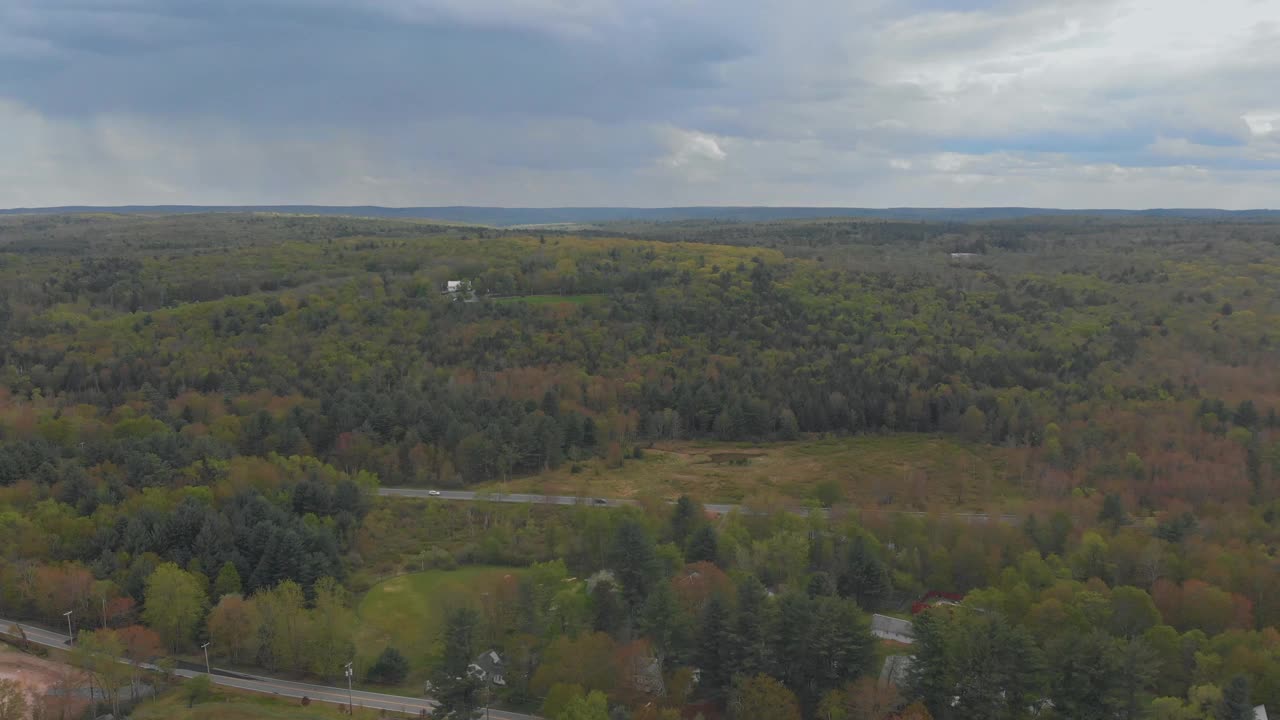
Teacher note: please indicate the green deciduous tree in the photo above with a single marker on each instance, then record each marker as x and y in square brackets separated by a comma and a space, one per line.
[175, 604]
[592, 707]
[228, 581]
[762, 698]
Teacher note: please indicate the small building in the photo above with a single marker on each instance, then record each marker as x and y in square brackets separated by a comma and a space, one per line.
[963, 256]
[1260, 712]
[488, 668]
[892, 628]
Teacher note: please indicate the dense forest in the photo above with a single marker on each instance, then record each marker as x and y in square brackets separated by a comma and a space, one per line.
[200, 408]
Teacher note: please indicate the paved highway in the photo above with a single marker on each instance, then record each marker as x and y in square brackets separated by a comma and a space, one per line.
[275, 686]
[720, 509]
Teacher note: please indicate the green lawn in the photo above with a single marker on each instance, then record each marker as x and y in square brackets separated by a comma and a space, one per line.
[408, 612]
[230, 705]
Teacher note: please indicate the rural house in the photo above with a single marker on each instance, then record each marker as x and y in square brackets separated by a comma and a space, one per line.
[487, 668]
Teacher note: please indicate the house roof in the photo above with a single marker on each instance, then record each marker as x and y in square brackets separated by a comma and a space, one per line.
[1260, 712]
[890, 625]
[489, 661]
[895, 669]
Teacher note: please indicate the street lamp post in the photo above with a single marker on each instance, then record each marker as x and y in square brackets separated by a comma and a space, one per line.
[351, 707]
[208, 671]
[71, 638]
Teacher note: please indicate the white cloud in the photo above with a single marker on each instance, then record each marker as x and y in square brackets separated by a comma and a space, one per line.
[693, 155]
[1263, 123]
[1070, 103]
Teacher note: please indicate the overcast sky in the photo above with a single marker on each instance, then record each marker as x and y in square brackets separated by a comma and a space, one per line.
[1062, 103]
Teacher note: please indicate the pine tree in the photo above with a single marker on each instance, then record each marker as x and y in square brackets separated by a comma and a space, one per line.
[634, 562]
[664, 621]
[685, 519]
[1236, 704]
[703, 545]
[930, 677]
[609, 613]
[752, 631]
[865, 578]
[456, 690]
[1112, 513]
[391, 668]
[714, 653]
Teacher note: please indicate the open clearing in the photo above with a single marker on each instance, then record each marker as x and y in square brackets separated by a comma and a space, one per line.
[907, 471]
[39, 677]
[407, 612]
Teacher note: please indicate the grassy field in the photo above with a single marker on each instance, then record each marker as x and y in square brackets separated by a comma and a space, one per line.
[906, 470]
[408, 611]
[552, 299]
[229, 705]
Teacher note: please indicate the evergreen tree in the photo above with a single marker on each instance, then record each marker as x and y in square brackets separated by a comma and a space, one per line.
[458, 693]
[865, 577]
[704, 546]
[609, 613]
[391, 668]
[634, 563]
[930, 677]
[751, 637]
[1085, 676]
[794, 634]
[1236, 704]
[664, 621]
[1112, 514]
[685, 519]
[714, 656]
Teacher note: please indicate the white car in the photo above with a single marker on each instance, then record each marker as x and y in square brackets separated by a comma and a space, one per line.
[433, 493]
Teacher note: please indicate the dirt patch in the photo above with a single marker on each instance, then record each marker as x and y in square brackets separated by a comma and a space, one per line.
[46, 683]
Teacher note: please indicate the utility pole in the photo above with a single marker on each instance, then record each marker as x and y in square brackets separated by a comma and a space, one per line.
[71, 638]
[104, 612]
[207, 670]
[351, 707]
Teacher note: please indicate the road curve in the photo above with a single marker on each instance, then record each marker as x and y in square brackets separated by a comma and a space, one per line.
[275, 686]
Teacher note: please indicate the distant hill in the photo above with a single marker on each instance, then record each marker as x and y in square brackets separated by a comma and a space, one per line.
[538, 216]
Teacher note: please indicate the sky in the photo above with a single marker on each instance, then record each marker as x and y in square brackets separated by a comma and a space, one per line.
[866, 103]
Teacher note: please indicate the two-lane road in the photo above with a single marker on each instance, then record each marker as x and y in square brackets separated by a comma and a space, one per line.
[524, 498]
[274, 686]
[718, 508]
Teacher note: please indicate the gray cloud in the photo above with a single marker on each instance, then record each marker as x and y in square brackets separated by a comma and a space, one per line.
[645, 102]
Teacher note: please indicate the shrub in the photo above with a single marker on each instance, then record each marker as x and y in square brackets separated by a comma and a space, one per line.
[391, 668]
